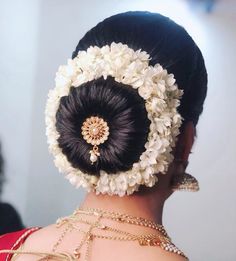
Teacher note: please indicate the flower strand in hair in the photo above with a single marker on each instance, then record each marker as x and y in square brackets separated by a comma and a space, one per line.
[161, 95]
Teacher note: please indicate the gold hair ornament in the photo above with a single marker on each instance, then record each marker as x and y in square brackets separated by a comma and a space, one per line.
[95, 131]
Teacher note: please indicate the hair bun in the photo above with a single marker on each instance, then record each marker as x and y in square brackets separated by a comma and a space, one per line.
[124, 111]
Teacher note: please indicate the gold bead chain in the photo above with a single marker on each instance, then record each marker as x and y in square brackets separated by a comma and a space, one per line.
[68, 229]
[123, 218]
[88, 237]
[160, 239]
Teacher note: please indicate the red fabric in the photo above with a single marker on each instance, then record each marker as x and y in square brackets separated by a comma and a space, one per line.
[12, 241]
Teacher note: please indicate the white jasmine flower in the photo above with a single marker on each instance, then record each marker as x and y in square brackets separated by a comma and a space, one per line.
[170, 79]
[154, 85]
[145, 92]
[121, 182]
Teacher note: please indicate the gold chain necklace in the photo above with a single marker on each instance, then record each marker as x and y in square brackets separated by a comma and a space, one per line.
[70, 223]
[123, 218]
[159, 238]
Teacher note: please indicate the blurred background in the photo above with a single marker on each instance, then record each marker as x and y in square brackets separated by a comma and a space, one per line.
[37, 36]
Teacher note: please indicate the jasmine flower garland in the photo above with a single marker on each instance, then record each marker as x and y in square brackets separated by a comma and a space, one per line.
[154, 85]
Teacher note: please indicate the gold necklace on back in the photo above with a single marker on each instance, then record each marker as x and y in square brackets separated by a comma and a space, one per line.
[159, 237]
[98, 229]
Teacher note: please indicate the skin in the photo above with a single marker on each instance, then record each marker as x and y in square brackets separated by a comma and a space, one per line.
[148, 204]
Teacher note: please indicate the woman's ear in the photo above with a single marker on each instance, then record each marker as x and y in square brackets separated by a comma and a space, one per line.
[185, 142]
[181, 153]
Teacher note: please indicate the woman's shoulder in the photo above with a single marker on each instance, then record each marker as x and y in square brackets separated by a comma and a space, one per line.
[160, 254]
[18, 236]
[39, 239]
[14, 240]
[167, 251]
[46, 236]
[173, 257]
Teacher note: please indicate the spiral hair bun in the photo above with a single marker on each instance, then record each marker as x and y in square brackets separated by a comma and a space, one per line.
[124, 111]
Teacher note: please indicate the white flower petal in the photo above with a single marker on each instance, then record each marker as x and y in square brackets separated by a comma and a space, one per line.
[154, 85]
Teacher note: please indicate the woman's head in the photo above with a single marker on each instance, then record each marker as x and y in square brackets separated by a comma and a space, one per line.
[168, 44]
[119, 105]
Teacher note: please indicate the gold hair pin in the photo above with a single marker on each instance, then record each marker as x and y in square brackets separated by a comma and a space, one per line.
[95, 131]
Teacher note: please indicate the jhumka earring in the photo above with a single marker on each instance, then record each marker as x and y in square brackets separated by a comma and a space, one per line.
[95, 131]
[183, 181]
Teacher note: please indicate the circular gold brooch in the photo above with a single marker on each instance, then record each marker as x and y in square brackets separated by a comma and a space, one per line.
[95, 131]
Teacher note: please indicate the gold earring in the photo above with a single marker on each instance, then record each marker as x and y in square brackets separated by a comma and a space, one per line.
[95, 131]
[183, 181]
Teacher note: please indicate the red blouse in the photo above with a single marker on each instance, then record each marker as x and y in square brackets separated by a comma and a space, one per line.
[13, 241]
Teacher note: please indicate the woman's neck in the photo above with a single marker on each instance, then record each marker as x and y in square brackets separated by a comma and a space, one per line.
[146, 206]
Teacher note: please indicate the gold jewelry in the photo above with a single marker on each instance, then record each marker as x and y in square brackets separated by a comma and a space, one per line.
[183, 181]
[95, 131]
[122, 218]
[160, 239]
[108, 232]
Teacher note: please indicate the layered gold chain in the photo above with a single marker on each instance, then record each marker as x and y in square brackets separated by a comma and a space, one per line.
[97, 229]
[123, 218]
[158, 238]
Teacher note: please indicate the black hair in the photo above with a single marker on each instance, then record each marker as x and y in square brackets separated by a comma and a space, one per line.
[124, 111]
[169, 45]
